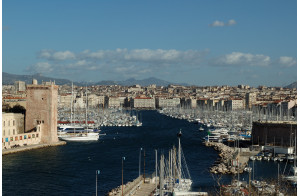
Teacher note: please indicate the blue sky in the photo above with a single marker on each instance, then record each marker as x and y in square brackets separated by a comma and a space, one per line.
[207, 42]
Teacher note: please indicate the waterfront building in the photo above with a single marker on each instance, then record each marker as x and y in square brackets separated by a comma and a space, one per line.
[235, 104]
[168, 102]
[13, 131]
[279, 133]
[143, 102]
[250, 99]
[114, 102]
[41, 109]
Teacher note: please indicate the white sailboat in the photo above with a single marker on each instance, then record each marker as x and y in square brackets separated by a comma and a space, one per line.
[79, 134]
[175, 177]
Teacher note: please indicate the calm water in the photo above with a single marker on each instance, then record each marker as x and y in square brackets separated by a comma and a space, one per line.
[70, 169]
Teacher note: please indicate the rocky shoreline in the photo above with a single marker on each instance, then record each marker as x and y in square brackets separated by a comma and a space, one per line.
[227, 154]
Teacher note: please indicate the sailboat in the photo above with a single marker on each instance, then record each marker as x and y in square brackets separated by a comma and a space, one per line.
[80, 134]
[175, 177]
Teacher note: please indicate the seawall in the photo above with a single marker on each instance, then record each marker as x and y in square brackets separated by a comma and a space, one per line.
[31, 147]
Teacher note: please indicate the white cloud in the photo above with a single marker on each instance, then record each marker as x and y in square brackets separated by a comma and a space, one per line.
[218, 23]
[63, 55]
[40, 67]
[231, 22]
[57, 56]
[287, 61]
[243, 59]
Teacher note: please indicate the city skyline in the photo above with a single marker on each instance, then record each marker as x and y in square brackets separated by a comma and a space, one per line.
[195, 42]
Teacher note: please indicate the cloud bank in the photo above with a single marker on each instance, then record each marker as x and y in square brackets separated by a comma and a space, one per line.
[145, 62]
[218, 23]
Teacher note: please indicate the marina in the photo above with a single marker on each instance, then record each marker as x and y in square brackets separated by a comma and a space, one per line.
[61, 169]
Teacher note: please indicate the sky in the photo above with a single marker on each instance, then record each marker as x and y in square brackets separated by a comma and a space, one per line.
[208, 42]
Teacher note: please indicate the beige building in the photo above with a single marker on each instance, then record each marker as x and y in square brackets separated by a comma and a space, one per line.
[250, 100]
[144, 102]
[168, 102]
[236, 104]
[20, 86]
[114, 102]
[13, 131]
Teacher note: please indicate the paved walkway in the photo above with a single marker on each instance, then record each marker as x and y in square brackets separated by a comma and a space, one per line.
[145, 189]
[30, 147]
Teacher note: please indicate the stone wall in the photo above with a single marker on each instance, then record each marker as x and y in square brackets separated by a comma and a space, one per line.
[42, 108]
[279, 133]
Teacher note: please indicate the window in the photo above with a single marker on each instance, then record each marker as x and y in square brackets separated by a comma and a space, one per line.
[13, 122]
[4, 132]
[14, 132]
[4, 123]
[8, 122]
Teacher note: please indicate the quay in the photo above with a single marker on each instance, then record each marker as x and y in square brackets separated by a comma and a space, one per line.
[138, 187]
[30, 147]
[232, 160]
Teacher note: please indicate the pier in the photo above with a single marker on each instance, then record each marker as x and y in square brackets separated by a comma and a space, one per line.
[232, 160]
[138, 187]
[31, 147]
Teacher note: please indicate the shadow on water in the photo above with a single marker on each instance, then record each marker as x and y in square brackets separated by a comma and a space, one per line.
[70, 169]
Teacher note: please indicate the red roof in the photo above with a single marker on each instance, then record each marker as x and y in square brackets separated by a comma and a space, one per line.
[68, 122]
[143, 98]
[14, 98]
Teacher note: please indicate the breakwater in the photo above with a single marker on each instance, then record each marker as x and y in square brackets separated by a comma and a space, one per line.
[231, 161]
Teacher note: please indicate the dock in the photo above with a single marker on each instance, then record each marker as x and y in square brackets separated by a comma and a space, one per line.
[137, 187]
[30, 147]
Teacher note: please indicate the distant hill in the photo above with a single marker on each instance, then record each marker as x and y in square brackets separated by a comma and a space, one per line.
[132, 81]
[291, 86]
[11, 78]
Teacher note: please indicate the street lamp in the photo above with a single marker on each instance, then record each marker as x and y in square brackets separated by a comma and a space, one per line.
[140, 162]
[97, 173]
[123, 159]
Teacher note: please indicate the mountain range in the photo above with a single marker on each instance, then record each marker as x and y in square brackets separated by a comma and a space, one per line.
[8, 78]
[291, 86]
[11, 78]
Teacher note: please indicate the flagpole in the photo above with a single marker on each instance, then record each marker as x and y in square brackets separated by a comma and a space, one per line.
[97, 173]
[96, 183]
[123, 158]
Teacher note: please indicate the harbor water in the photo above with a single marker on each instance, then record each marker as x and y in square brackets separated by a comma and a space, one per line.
[71, 169]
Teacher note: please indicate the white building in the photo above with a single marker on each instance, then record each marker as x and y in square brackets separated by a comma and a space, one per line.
[144, 102]
[250, 100]
[235, 104]
[168, 102]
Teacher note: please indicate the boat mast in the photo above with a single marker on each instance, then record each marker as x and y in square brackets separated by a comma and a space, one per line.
[86, 105]
[72, 106]
[179, 157]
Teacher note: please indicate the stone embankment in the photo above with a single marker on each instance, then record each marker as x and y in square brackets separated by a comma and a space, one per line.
[128, 188]
[30, 147]
[225, 164]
